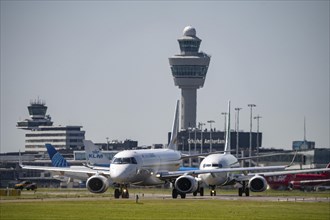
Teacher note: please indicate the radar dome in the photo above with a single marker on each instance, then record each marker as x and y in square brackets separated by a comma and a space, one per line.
[189, 31]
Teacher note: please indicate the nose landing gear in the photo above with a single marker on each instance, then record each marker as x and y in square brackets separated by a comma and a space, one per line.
[213, 192]
[244, 189]
[121, 191]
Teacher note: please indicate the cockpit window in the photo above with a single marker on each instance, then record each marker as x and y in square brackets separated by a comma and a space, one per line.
[213, 165]
[124, 160]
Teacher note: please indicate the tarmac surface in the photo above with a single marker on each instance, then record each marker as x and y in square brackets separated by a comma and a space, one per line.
[148, 196]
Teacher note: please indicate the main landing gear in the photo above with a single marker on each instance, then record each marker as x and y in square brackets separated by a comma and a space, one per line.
[200, 191]
[244, 189]
[121, 191]
[175, 194]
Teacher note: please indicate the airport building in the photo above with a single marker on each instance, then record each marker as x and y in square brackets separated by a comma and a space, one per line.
[40, 130]
[37, 111]
[206, 141]
[303, 145]
[61, 137]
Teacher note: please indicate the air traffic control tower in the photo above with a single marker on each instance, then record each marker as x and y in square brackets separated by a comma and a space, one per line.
[37, 110]
[189, 70]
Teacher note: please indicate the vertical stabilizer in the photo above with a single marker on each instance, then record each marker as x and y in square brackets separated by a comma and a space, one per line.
[227, 142]
[56, 158]
[94, 156]
[175, 129]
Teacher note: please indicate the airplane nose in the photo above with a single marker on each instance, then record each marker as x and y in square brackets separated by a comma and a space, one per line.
[121, 173]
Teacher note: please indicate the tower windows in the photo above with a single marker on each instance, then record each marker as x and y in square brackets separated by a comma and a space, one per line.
[189, 46]
[189, 71]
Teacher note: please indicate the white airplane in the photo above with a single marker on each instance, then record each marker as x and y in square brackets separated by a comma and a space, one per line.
[224, 169]
[139, 167]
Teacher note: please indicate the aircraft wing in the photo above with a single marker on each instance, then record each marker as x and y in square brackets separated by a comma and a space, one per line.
[245, 172]
[168, 175]
[85, 170]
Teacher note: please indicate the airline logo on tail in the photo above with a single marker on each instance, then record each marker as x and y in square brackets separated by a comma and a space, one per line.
[57, 159]
[95, 154]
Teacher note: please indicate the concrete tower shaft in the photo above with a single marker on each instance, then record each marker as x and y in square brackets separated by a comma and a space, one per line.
[189, 70]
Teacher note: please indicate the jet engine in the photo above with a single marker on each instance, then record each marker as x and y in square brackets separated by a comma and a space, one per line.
[186, 184]
[97, 184]
[257, 184]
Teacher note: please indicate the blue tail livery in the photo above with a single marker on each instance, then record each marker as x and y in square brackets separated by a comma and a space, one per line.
[57, 159]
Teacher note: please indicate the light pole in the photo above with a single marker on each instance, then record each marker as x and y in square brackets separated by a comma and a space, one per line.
[189, 129]
[195, 144]
[257, 117]
[200, 124]
[210, 121]
[237, 130]
[250, 145]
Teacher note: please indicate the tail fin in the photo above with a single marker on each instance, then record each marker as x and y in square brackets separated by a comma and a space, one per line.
[94, 156]
[175, 129]
[20, 158]
[227, 143]
[57, 159]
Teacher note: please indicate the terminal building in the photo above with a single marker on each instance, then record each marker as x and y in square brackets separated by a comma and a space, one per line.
[61, 137]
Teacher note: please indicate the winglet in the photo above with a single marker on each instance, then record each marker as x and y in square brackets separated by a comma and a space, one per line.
[227, 142]
[175, 129]
[57, 159]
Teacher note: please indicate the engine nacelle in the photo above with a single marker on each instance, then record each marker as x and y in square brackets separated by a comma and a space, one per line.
[186, 184]
[258, 184]
[97, 184]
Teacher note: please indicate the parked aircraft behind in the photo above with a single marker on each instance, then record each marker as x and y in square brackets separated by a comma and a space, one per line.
[299, 181]
[94, 156]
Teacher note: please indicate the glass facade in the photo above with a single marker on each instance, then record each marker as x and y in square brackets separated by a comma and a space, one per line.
[37, 110]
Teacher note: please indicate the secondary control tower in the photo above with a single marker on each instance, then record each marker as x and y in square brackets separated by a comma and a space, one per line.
[189, 70]
[37, 111]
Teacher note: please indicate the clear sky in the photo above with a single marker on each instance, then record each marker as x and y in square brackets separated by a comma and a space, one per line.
[104, 65]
